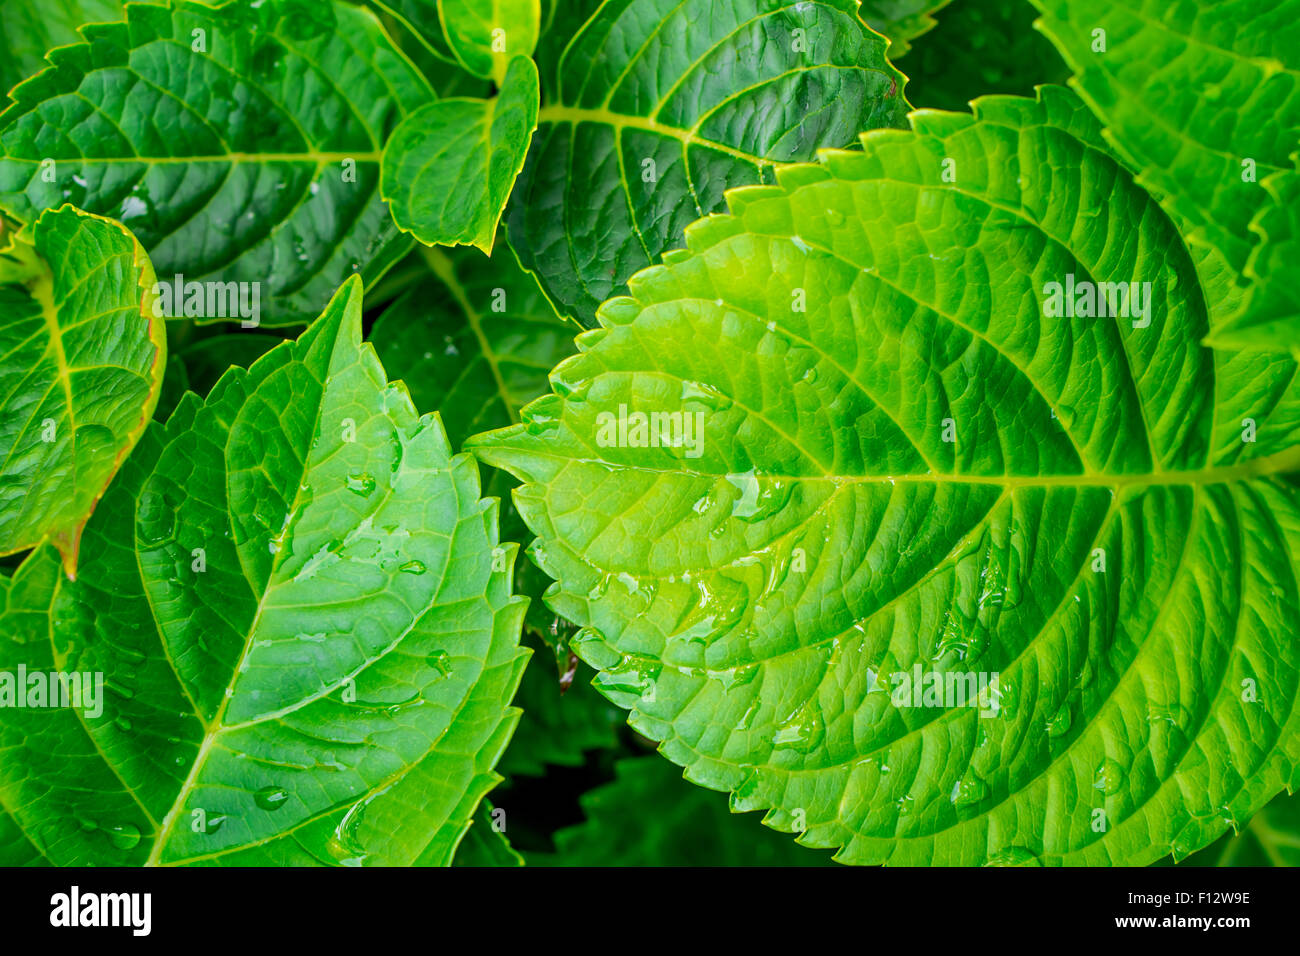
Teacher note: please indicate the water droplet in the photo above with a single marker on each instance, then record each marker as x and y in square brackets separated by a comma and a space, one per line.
[969, 790]
[1110, 777]
[271, 798]
[1013, 856]
[440, 661]
[124, 836]
[803, 730]
[1060, 722]
[413, 567]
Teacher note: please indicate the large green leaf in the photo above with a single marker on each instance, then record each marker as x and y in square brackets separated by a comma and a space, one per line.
[81, 366]
[662, 105]
[1202, 99]
[896, 460]
[901, 20]
[304, 622]
[450, 166]
[29, 28]
[241, 144]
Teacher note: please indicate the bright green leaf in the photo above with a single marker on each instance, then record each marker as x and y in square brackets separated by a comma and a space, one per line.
[1202, 99]
[305, 626]
[449, 168]
[882, 459]
[486, 35]
[241, 144]
[81, 367]
[662, 105]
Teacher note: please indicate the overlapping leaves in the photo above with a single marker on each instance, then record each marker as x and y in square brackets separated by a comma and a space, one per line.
[241, 143]
[1202, 99]
[304, 625]
[82, 354]
[881, 459]
[661, 105]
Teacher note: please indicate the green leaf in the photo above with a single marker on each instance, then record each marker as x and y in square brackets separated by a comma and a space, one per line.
[247, 152]
[649, 816]
[1202, 99]
[897, 465]
[206, 360]
[980, 47]
[662, 105]
[901, 20]
[81, 367]
[486, 35]
[304, 624]
[28, 28]
[484, 845]
[449, 168]
[1271, 838]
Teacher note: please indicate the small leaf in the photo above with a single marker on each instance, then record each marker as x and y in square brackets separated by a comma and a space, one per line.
[664, 104]
[484, 844]
[485, 35]
[870, 533]
[82, 368]
[303, 621]
[241, 143]
[449, 168]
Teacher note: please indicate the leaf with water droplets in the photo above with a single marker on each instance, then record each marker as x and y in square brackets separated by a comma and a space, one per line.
[299, 665]
[81, 368]
[982, 627]
[240, 142]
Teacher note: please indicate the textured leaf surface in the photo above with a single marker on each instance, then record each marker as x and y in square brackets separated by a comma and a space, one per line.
[901, 20]
[751, 606]
[650, 816]
[29, 28]
[980, 47]
[255, 160]
[81, 367]
[449, 168]
[662, 105]
[1190, 92]
[330, 686]
[485, 35]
